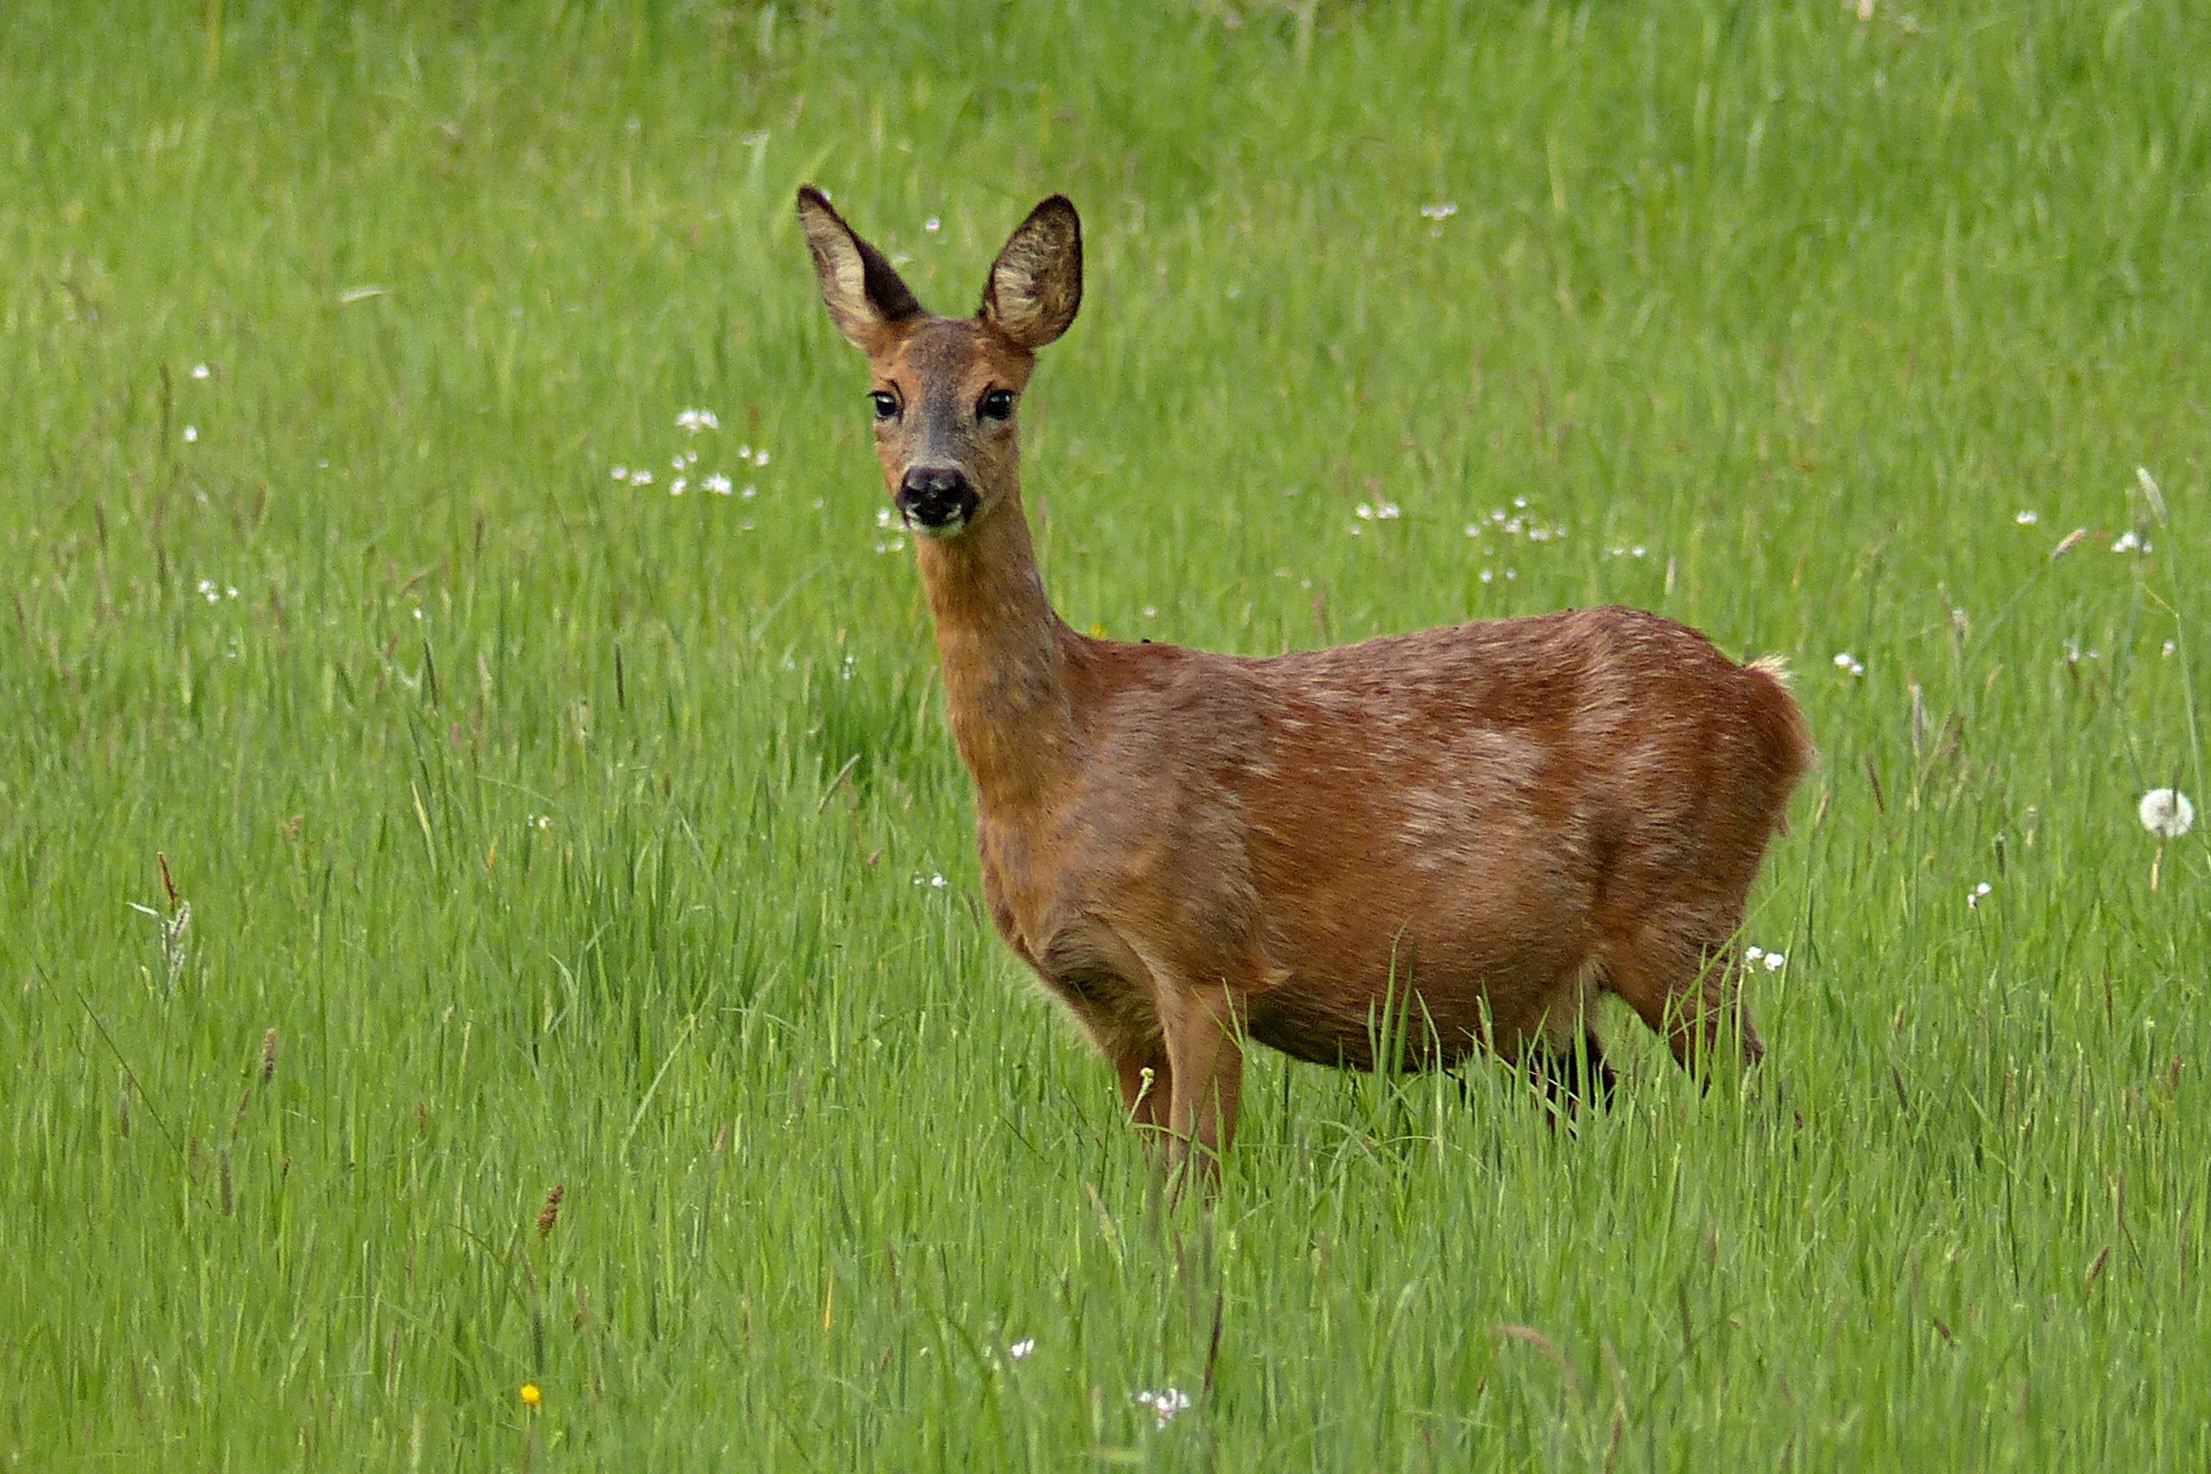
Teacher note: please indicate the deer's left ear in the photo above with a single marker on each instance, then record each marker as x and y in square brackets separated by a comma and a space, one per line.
[1036, 282]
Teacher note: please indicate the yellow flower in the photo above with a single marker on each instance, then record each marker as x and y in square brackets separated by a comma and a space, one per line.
[530, 1395]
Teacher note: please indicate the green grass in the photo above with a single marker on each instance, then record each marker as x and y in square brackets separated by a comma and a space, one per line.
[503, 794]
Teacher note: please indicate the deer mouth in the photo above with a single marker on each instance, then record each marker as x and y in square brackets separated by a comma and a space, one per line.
[938, 513]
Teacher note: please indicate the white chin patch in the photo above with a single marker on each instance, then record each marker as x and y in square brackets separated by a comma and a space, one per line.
[940, 532]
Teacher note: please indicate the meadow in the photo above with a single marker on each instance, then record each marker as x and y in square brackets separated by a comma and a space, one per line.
[486, 888]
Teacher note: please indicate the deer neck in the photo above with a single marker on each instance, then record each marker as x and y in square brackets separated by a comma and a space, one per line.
[1003, 650]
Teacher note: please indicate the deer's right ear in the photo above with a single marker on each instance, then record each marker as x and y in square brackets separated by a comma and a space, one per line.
[865, 296]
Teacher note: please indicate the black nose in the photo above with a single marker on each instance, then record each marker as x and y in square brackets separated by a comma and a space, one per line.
[934, 497]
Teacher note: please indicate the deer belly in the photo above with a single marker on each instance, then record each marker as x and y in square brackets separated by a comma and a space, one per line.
[1439, 963]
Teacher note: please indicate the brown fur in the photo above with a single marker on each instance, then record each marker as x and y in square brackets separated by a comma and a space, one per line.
[1481, 824]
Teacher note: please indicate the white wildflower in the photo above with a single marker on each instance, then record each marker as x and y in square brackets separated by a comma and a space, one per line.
[696, 420]
[1849, 663]
[2166, 813]
[621, 473]
[1439, 212]
[749, 493]
[932, 225]
[1164, 1402]
[641, 478]
[1775, 961]
[1752, 954]
[191, 433]
[2026, 519]
[199, 370]
[676, 487]
[1973, 896]
[717, 483]
[2127, 543]
[1021, 1348]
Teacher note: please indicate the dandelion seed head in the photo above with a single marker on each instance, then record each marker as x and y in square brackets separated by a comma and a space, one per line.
[2166, 813]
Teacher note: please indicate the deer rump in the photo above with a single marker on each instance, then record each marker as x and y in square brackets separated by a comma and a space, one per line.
[1475, 825]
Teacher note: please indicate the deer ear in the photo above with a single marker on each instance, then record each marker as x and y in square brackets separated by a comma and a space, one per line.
[1036, 282]
[865, 297]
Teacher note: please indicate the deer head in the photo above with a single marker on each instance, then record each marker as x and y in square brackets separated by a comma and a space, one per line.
[946, 388]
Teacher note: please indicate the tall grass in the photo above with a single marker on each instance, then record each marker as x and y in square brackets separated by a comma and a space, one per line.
[561, 831]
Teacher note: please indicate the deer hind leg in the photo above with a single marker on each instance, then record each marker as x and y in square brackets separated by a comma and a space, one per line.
[1567, 1061]
[1686, 984]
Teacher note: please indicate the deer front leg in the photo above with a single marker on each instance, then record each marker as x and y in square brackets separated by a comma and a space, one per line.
[1205, 1064]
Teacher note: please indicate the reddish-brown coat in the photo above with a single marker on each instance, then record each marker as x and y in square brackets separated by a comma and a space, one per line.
[1477, 824]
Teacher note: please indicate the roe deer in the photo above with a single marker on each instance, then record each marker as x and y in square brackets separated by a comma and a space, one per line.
[1482, 824]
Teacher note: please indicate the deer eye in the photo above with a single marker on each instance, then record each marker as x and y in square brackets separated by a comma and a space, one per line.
[997, 405]
[886, 404]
